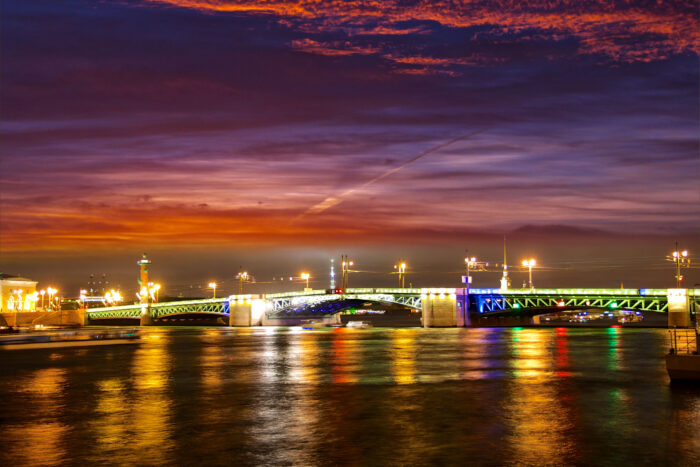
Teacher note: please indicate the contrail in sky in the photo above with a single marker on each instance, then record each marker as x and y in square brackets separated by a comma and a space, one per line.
[337, 199]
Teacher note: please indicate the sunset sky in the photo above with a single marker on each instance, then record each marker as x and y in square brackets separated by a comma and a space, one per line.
[274, 135]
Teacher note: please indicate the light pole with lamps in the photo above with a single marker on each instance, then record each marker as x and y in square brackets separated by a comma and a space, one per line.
[212, 286]
[681, 259]
[345, 268]
[401, 269]
[242, 277]
[529, 264]
[305, 276]
[51, 291]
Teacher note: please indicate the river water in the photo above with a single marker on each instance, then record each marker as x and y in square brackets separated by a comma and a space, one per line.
[381, 396]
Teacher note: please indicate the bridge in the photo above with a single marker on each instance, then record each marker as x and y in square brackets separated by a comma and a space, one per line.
[439, 306]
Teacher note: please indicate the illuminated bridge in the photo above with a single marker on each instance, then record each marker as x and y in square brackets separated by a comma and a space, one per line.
[439, 306]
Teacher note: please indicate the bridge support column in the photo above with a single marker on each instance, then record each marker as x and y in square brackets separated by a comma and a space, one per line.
[246, 310]
[678, 308]
[146, 318]
[463, 319]
[439, 308]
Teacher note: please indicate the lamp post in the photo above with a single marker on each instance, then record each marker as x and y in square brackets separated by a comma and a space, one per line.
[42, 293]
[401, 269]
[345, 268]
[212, 286]
[242, 277]
[305, 276]
[681, 259]
[51, 291]
[469, 263]
[529, 264]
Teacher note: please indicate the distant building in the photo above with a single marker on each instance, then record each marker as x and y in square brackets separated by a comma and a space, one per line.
[17, 294]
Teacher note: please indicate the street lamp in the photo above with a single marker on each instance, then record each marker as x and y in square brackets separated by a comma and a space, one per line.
[681, 259]
[113, 296]
[242, 277]
[345, 268]
[51, 291]
[212, 285]
[529, 264]
[305, 276]
[470, 263]
[42, 293]
[401, 269]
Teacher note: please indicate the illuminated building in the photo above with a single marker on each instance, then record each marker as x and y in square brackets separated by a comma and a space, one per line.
[17, 294]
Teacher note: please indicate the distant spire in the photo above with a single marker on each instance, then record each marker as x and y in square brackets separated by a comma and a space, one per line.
[505, 281]
[332, 274]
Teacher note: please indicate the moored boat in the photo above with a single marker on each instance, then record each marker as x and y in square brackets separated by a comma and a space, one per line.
[359, 324]
[68, 340]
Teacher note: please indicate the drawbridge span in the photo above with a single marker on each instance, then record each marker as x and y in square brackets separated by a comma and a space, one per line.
[440, 306]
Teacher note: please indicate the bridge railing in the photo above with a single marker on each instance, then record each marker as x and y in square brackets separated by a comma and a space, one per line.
[210, 305]
[588, 292]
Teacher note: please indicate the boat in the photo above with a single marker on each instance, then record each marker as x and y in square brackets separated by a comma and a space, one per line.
[359, 324]
[683, 358]
[313, 325]
[68, 339]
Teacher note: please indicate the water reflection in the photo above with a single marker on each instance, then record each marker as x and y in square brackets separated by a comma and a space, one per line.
[614, 349]
[562, 364]
[539, 421]
[149, 423]
[403, 354]
[112, 412]
[344, 358]
[482, 353]
[364, 397]
[41, 439]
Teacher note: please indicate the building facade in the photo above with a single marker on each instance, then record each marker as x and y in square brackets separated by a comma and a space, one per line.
[17, 294]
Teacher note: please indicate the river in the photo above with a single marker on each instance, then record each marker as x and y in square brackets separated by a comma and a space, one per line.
[380, 396]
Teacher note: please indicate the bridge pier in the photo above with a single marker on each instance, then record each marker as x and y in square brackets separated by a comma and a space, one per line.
[678, 308]
[246, 310]
[440, 308]
[146, 317]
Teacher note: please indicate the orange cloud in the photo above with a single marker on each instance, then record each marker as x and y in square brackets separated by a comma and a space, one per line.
[623, 33]
[102, 227]
[332, 48]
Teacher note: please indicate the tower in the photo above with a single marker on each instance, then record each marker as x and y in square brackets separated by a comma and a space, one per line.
[505, 281]
[144, 295]
[332, 274]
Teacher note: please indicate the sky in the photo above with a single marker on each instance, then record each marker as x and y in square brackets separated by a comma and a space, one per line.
[274, 135]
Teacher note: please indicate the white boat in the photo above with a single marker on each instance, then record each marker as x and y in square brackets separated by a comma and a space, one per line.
[359, 324]
[67, 340]
[313, 325]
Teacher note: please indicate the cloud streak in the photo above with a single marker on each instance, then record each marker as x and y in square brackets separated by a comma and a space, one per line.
[332, 201]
